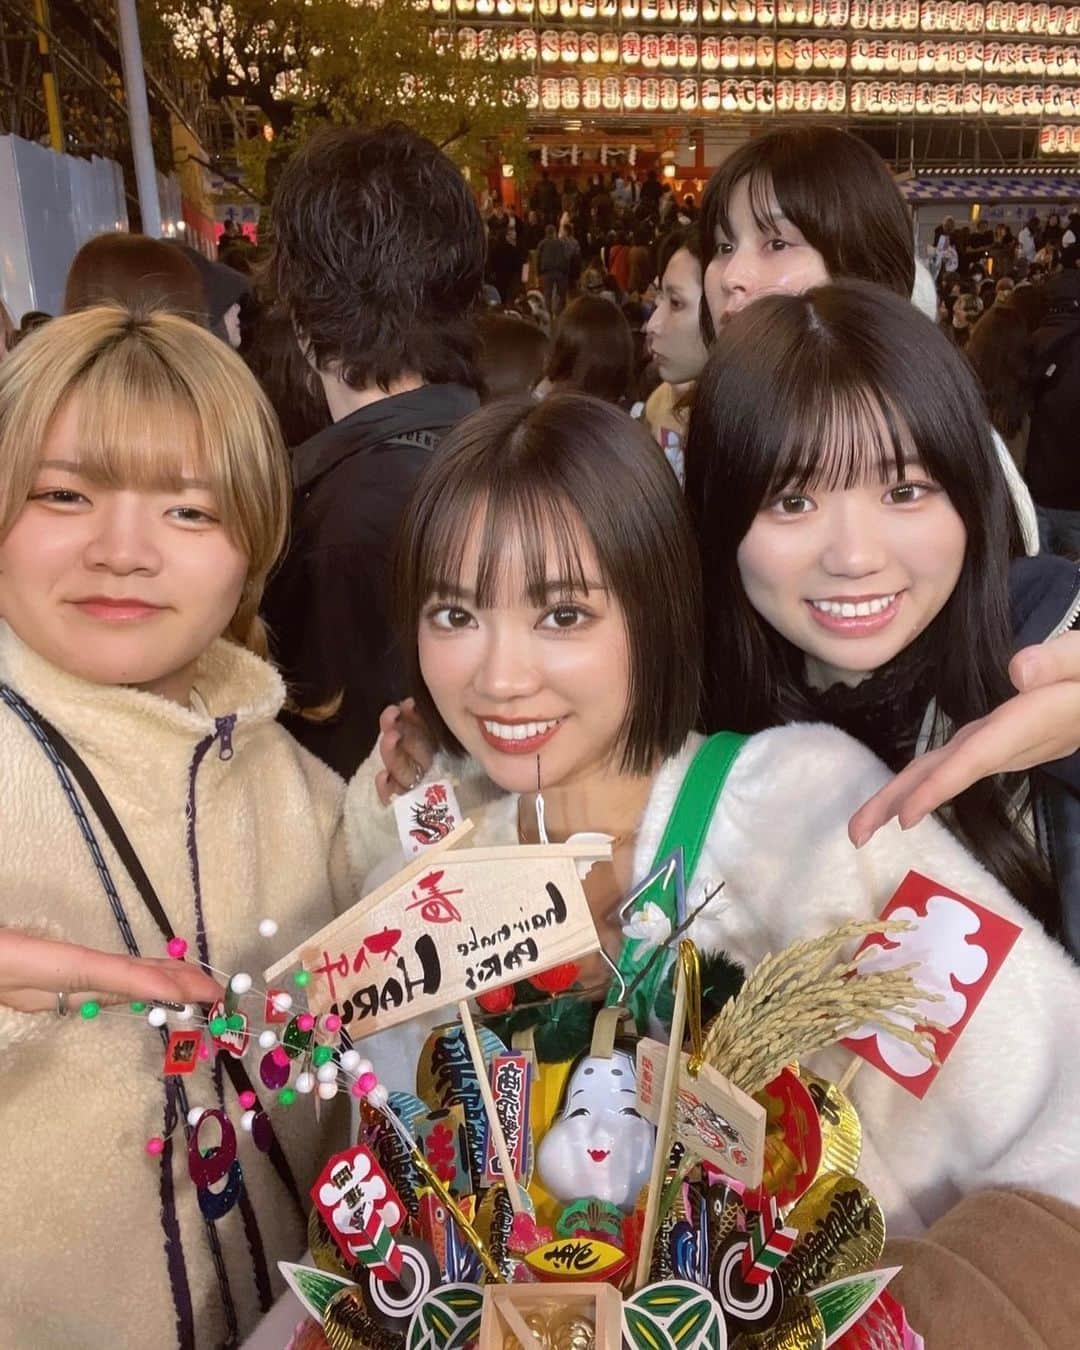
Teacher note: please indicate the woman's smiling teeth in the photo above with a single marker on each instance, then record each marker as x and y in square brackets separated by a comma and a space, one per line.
[518, 731]
[849, 609]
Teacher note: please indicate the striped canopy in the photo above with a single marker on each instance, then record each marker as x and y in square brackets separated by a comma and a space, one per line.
[991, 187]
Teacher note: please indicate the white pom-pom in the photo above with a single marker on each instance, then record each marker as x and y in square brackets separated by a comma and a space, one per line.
[378, 1096]
[247, 1120]
[195, 1115]
[327, 1091]
[156, 1017]
[327, 1073]
[363, 1066]
[186, 1013]
[282, 1001]
[267, 927]
[267, 1039]
[305, 1082]
[349, 1060]
[240, 983]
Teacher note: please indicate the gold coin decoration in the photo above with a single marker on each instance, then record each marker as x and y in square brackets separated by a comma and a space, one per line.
[841, 1232]
[800, 1328]
[537, 1324]
[573, 1332]
[841, 1129]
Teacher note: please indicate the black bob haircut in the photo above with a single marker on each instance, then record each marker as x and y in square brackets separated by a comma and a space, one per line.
[378, 256]
[835, 189]
[536, 477]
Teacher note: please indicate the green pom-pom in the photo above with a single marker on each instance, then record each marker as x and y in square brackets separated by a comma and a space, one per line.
[287, 1096]
[302, 979]
[234, 1022]
[322, 1054]
[219, 1026]
[89, 1009]
[138, 1007]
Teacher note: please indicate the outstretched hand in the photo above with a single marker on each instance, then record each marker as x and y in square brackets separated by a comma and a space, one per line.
[33, 970]
[405, 747]
[1039, 724]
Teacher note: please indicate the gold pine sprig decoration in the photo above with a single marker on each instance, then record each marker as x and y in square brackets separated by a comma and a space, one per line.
[806, 998]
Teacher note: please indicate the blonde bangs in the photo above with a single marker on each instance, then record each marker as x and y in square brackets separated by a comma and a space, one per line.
[158, 399]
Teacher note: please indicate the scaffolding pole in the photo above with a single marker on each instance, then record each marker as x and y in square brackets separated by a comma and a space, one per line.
[142, 148]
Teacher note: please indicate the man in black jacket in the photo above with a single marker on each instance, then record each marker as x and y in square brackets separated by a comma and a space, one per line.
[378, 258]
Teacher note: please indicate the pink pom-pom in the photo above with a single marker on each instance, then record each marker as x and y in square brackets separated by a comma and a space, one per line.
[155, 1146]
[280, 1058]
[177, 948]
[248, 1100]
[204, 1050]
[305, 1022]
[366, 1082]
[357, 1089]
[331, 1022]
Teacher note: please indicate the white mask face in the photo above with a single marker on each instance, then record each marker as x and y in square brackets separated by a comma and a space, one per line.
[600, 1145]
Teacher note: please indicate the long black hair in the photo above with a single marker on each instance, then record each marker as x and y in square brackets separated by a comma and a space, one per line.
[832, 388]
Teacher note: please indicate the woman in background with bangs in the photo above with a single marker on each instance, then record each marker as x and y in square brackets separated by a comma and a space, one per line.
[143, 499]
[856, 532]
[548, 601]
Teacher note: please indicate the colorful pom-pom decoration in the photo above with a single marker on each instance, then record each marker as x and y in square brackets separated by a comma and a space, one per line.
[89, 1009]
[322, 1054]
[306, 1022]
[247, 1120]
[350, 1061]
[331, 1022]
[155, 1145]
[248, 1100]
[282, 1001]
[177, 948]
[240, 983]
[156, 1017]
[328, 1091]
[302, 979]
[305, 1082]
[280, 1058]
[287, 1096]
[267, 927]
[267, 1040]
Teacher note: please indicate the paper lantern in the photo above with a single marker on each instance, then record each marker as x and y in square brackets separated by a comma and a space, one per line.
[892, 15]
[568, 9]
[804, 12]
[549, 45]
[1072, 21]
[609, 9]
[909, 15]
[876, 19]
[440, 6]
[710, 11]
[837, 96]
[819, 96]
[785, 13]
[468, 43]
[610, 93]
[878, 48]
[631, 92]
[590, 92]
[860, 14]
[820, 60]
[525, 7]
[609, 48]
[688, 11]
[974, 18]
[688, 51]
[785, 95]
[489, 45]
[569, 47]
[465, 6]
[1009, 17]
[1071, 63]
[747, 53]
[507, 45]
[669, 11]
[590, 48]
[729, 96]
[549, 95]
[838, 13]
[820, 13]
[746, 11]
[506, 8]
[650, 94]
[804, 54]
[630, 46]
[766, 53]
[710, 52]
[1024, 16]
[630, 9]
[569, 93]
[669, 51]
[993, 16]
[587, 9]
[765, 12]
[1052, 96]
[688, 94]
[529, 88]
[650, 51]
[942, 58]
[729, 53]
[649, 10]
[710, 95]
[526, 44]
[802, 95]
[1055, 20]
[1048, 138]
[785, 54]
[485, 8]
[975, 51]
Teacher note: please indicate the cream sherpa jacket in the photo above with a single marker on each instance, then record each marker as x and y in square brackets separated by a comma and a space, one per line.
[86, 1262]
[1003, 1110]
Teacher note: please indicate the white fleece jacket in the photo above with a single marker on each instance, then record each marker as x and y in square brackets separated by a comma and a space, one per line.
[85, 1261]
[1002, 1112]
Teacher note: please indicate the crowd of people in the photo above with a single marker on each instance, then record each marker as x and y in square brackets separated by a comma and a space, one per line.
[280, 533]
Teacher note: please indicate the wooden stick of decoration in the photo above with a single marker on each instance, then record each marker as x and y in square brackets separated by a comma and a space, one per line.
[494, 1124]
[769, 1241]
[664, 1124]
[516, 1322]
[849, 1073]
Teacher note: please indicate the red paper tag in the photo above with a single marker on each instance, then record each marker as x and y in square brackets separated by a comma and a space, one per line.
[960, 947]
[511, 1088]
[350, 1190]
[270, 1013]
[182, 1052]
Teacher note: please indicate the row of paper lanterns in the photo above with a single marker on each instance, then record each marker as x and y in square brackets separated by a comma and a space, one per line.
[933, 16]
[671, 51]
[631, 93]
[1057, 140]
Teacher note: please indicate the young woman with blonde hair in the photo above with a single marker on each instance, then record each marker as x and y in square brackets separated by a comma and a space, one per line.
[143, 499]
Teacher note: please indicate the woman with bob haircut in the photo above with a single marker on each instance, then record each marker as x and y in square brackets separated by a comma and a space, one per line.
[856, 532]
[144, 497]
[135, 270]
[549, 607]
[592, 351]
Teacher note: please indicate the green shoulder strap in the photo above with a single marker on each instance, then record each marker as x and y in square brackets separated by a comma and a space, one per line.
[687, 828]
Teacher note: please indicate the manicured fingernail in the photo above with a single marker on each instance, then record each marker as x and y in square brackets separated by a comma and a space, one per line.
[861, 838]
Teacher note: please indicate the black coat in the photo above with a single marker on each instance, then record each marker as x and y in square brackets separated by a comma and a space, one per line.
[329, 605]
[1053, 456]
[1045, 599]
